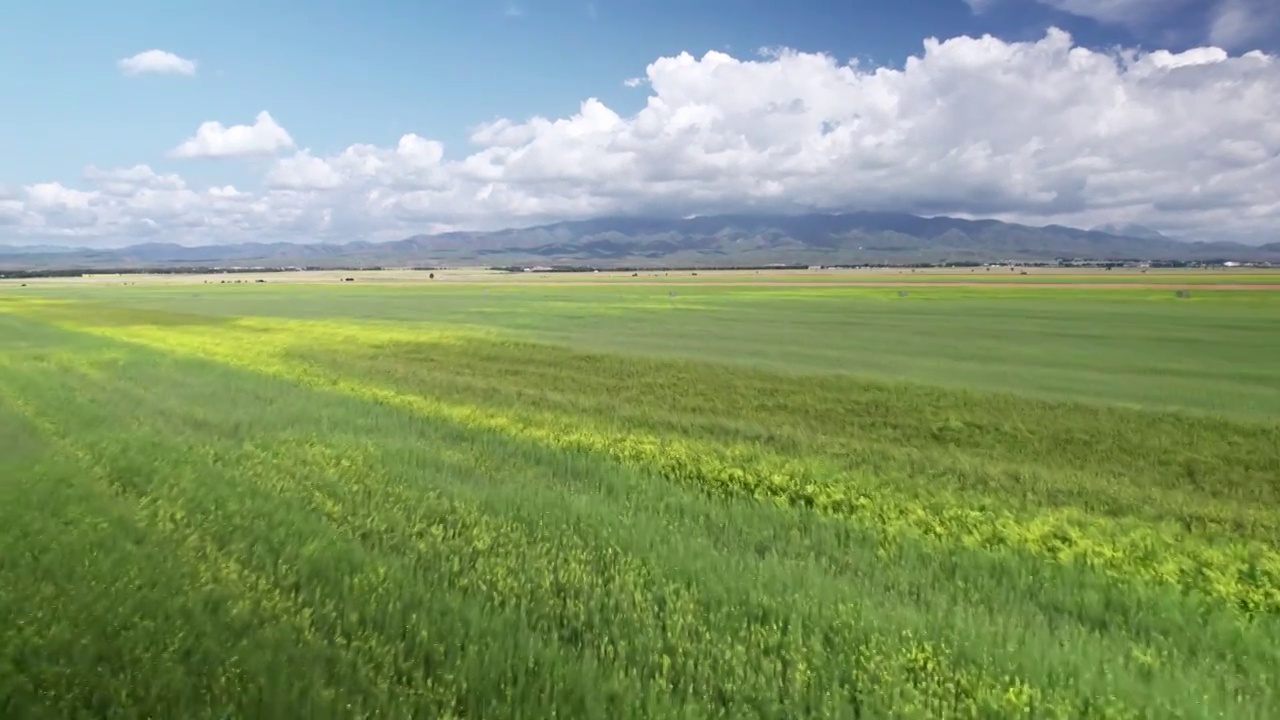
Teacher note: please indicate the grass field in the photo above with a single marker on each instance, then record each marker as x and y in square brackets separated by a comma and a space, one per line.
[478, 498]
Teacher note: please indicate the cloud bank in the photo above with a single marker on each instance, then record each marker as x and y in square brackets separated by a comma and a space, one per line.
[1036, 132]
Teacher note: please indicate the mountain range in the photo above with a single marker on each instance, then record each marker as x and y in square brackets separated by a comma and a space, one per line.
[699, 241]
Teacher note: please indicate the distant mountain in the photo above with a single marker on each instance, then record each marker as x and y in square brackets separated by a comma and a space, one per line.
[1132, 230]
[37, 249]
[715, 240]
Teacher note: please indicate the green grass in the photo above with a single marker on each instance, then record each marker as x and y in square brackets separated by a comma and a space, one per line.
[1142, 348]
[611, 502]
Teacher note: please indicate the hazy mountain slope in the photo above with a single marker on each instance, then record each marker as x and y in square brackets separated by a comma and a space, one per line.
[1131, 230]
[862, 237]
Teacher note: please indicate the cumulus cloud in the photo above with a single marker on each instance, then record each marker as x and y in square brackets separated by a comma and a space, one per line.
[157, 62]
[1039, 132]
[54, 206]
[215, 140]
[133, 204]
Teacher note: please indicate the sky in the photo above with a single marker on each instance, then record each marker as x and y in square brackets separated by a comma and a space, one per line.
[204, 123]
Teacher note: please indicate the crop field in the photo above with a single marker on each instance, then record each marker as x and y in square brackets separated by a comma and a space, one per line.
[488, 498]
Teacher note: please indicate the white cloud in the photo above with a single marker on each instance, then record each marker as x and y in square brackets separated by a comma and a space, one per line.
[213, 139]
[157, 62]
[303, 172]
[1039, 132]
[57, 207]
[157, 205]
[127, 181]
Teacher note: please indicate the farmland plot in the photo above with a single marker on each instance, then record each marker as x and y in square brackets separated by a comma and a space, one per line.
[602, 502]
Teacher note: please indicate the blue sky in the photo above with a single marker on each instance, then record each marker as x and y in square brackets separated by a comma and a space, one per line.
[334, 74]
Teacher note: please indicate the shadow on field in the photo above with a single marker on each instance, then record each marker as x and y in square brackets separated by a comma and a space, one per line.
[91, 315]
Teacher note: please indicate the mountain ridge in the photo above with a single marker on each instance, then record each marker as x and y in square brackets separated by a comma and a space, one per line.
[1131, 230]
[862, 237]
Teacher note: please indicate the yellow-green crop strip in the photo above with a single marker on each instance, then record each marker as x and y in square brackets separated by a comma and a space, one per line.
[1245, 574]
[437, 502]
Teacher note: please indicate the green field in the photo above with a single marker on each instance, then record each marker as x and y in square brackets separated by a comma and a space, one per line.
[493, 501]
